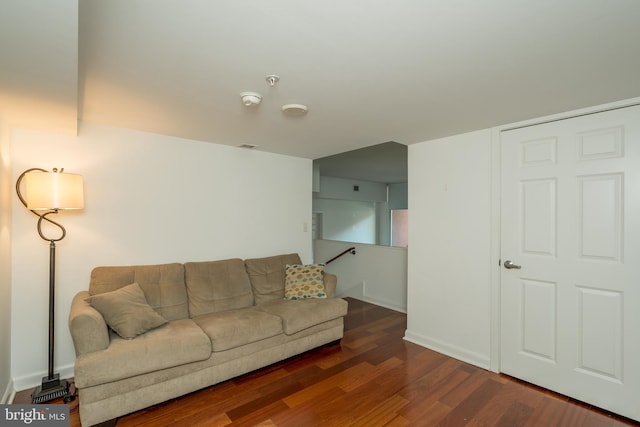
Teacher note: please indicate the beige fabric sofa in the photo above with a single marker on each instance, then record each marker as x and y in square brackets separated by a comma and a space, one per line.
[225, 318]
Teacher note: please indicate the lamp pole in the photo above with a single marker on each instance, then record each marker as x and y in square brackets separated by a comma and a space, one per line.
[52, 304]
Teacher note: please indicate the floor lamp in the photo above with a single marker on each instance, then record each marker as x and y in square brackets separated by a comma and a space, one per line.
[46, 194]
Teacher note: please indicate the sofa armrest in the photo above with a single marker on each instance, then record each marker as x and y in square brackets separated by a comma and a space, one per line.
[330, 284]
[88, 329]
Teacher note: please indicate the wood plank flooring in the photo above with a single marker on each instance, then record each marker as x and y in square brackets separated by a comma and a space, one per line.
[373, 378]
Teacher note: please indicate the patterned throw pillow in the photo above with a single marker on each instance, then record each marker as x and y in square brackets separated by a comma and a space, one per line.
[304, 281]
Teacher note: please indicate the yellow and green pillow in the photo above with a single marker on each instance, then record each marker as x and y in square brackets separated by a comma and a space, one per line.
[304, 281]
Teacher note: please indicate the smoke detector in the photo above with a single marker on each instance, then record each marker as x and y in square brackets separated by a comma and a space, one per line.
[295, 109]
[249, 99]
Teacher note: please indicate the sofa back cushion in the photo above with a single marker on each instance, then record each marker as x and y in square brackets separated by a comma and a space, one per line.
[215, 286]
[267, 276]
[163, 285]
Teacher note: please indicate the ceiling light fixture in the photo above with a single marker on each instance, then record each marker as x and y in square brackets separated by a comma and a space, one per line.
[295, 109]
[272, 79]
[249, 99]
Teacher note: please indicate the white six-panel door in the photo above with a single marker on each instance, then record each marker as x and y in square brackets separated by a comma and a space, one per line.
[570, 218]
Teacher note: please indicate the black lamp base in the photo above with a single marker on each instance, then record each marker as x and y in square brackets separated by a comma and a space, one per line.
[51, 388]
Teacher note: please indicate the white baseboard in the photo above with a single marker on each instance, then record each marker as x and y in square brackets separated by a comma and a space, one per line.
[9, 394]
[359, 291]
[456, 352]
[33, 380]
[391, 305]
[355, 291]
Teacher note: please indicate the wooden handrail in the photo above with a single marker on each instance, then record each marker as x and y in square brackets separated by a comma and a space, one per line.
[352, 249]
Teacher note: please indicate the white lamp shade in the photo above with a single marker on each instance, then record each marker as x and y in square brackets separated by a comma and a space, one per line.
[54, 190]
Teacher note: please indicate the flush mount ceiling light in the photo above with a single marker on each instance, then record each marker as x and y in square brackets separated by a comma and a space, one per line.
[249, 99]
[295, 109]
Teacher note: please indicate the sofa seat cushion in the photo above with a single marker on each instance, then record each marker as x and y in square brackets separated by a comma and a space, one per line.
[176, 343]
[234, 328]
[298, 315]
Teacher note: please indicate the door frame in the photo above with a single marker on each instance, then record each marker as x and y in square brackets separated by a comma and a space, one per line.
[495, 308]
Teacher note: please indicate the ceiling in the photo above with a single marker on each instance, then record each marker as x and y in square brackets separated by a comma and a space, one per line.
[369, 72]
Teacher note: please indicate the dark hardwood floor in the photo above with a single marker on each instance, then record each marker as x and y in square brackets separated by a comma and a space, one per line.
[373, 378]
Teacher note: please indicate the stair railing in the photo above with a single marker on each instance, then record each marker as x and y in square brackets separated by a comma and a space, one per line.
[351, 250]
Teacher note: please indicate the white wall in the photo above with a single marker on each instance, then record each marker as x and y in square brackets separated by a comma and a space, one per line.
[353, 216]
[149, 199]
[449, 277]
[398, 196]
[383, 224]
[342, 188]
[347, 220]
[39, 72]
[376, 274]
[5, 264]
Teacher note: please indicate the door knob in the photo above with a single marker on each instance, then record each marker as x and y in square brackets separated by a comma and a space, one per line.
[508, 264]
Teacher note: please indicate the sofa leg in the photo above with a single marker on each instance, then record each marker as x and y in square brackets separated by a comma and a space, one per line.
[110, 423]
